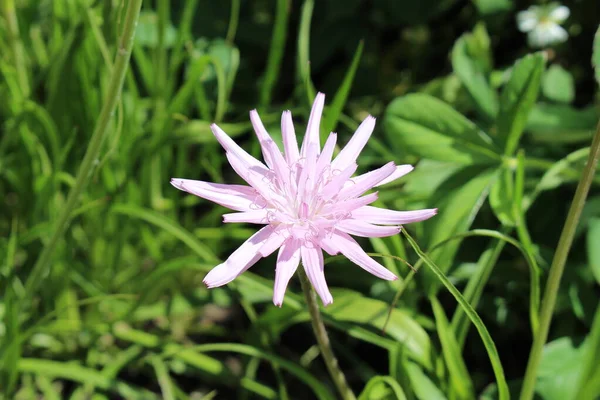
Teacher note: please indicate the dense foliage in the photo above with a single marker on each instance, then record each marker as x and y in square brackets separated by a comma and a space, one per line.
[114, 307]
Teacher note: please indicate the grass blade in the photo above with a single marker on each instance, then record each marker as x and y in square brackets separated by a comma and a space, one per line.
[503, 391]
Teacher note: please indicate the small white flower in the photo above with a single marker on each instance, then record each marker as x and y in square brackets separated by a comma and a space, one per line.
[542, 24]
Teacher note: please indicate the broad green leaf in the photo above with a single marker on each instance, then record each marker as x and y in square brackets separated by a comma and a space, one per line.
[518, 97]
[501, 197]
[596, 55]
[422, 385]
[558, 123]
[401, 326]
[459, 374]
[147, 31]
[458, 200]
[593, 247]
[558, 84]
[471, 61]
[429, 128]
[382, 388]
[589, 378]
[559, 370]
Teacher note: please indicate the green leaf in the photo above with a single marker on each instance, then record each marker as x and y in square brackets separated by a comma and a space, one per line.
[319, 389]
[422, 385]
[401, 325]
[430, 128]
[593, 249]
[559, 369]
[147, 31]
[501, 197]
[458, 200]
[459, 374]
[558, 84]
[558, 123]
[589, 378]
[471, 61]
[381, 388]
[518, 98]
[489, 344]
[83, 375]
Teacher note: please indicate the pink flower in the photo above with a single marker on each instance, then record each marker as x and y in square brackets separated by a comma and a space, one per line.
[308, 203]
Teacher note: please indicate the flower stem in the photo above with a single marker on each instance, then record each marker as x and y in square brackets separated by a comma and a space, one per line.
[323, 339]
[119, 70]
[558, 266]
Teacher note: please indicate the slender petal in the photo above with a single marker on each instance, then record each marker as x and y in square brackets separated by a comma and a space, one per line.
[290, 143]
[338, 181]
[232, 147]
[352, 250]
[287, 263]
[262, 183]
[350, 152]
[348, 206]
[361, 228]
[326, 246]
[277, 238]
[236, 197]
[279, 165]
[367, 183]
[376, 215]
[401, 170]
[312, 259]
[239, 261]
[325, 157]
[312, 137]
[268, 146]
[250, 217]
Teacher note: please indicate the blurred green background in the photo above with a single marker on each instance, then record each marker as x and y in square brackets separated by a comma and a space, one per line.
[499, 134]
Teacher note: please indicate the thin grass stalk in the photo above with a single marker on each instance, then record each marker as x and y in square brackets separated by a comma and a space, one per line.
[120, 66]
[558, 266]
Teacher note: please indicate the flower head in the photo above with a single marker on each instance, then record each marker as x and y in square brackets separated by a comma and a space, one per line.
[542, 24]
[308, 203]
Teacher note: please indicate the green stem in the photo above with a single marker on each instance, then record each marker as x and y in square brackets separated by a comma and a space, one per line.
[323, 339]
[558, 266]
[14, 40]
[121, 63]
[233, 21]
